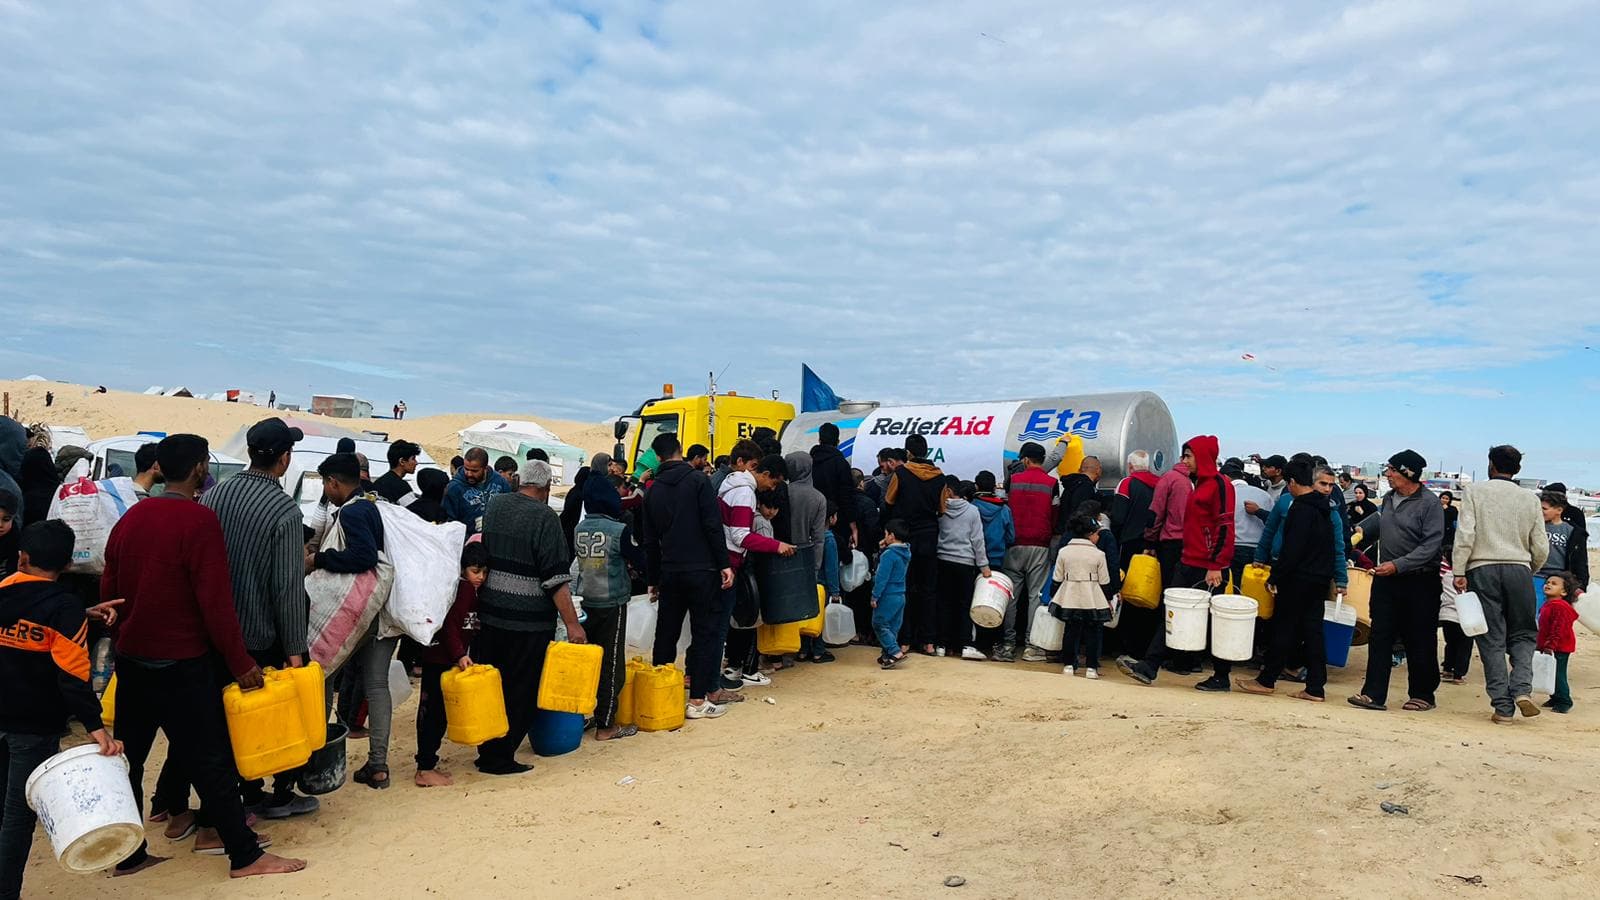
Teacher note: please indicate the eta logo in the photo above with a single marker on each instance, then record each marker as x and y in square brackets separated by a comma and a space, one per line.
[746, 429]
[82, 487]
[1046, 424]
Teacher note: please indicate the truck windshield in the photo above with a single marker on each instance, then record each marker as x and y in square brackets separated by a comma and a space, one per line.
[649, 428]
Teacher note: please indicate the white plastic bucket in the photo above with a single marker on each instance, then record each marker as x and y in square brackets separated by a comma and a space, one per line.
[1469, 612]
[1047, 631]
[1186, 617]
[989, 600]
[87, 808]
[1233, 627]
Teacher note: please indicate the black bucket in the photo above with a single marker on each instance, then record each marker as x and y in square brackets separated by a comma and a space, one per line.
[324, 772]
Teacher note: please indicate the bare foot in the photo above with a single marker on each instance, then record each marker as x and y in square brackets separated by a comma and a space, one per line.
[269, 864]
[433, 778]
[208, 841]
[148, 862]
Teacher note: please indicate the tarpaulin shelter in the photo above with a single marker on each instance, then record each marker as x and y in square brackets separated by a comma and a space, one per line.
[506, 437]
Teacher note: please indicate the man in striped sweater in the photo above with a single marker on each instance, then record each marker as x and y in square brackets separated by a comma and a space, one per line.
[261, 529]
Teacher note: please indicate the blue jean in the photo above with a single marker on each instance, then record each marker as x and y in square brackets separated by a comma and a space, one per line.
[886, 618]
[20, 754]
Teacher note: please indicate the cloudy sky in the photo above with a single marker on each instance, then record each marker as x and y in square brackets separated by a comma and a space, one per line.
[1394, 207]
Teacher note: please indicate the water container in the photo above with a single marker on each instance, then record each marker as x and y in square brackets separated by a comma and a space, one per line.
[1469, 613]
[309, 683]
[474, 704]
[1255, 587]
[641, 631]
[324, 772]
[266, 728]
[1588, 607]
[1544, 673]
[1187, 610]
[1233, 627]
[571, 677]
[87, 808]
[1338, 630]
[625, 706]
[399, 684]
[990, 598]
[812, 627]
[108, 702]
[1358, 596]
[838, 625]
[1073, 460]
[776, 640]
[658, 698]
[1047, 631]
[1142, 586]
[554, 733]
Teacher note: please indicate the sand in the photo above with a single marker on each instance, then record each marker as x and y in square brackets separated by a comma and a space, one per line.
[120, 413]
[862, 783]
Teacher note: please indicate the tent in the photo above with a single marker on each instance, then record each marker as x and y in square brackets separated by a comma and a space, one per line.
[155, 390]
[35, 378]
[506, 437]
[179, 392]
[312, 427]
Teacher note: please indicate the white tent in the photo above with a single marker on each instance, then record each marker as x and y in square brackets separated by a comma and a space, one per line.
[35, 378]
[179, 391]
[155, 390]
[510, 437]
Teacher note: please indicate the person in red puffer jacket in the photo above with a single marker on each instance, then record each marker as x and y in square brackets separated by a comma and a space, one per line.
[1556, 634]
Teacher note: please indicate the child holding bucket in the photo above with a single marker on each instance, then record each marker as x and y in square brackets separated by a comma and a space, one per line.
[1556, 634]
[1081, 570]
[451, 647]
[889, 592]
[44, 665]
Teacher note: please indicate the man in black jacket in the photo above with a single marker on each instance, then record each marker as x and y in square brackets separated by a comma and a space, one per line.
[916, 497]
[1075, 489]
[689, 572]
[1300, 578]
[830, 475]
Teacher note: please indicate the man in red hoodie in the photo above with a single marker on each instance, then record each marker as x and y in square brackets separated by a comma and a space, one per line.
[1206, 555]
[1032, 496]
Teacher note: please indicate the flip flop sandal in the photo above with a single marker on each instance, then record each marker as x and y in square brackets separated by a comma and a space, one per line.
[1365, 702]
[367, 775]
[194, 825]
[1417, 705]
[624, 731]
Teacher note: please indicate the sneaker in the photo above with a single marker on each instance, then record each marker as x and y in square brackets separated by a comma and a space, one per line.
[972, 653]
[1033, 654]
[1136, 670]
[1004, 653]
[1214, 685]
[703, 711]
[823, 657]
[1091, 674]
[1528, 707]
[734, 682]
[1067, 671]
[731, 673]
[292, 805]
[754, 679]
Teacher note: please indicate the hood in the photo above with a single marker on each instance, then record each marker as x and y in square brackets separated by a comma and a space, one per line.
[736, 480]
[600, 498]
[825, 451]
[13, 443]
[955, 507]
[673, 472]
[989, 507]
[68, 456]
[600, 462]
[432, 482]
[1206, 448]
[900, 549]
[1148, 479]
[799, 463]
[38, 469]
[924, 470]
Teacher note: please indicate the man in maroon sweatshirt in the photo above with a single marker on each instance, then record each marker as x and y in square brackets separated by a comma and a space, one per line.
[178, 641]
[1207, 553]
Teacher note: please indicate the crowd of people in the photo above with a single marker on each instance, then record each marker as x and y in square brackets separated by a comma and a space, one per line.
[206, 586]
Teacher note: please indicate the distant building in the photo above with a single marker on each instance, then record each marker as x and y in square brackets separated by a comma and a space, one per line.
[341, 406]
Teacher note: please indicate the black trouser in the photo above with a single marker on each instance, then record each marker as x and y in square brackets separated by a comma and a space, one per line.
[430, 716]
[1297, 623]
[184, 701]
[1170, 555]
[607, 628]
[921, 626]
[1407, 607]
[20, 754]
[1080, 633]
[519, 655]
[1457, 650]
[253, 792]
[1135, 625]
[955, 605]
[697, 595]
[741, 649]
[1243, 555]
[1158, 653]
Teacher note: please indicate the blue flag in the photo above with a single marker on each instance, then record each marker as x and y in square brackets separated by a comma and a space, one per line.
[815, 395]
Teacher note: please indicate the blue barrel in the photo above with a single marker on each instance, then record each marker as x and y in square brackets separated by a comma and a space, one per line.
[555, 733]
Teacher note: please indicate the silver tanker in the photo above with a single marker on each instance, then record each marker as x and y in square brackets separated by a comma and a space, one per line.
[965, 438]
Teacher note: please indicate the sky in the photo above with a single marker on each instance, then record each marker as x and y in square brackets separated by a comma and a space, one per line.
[558, 207]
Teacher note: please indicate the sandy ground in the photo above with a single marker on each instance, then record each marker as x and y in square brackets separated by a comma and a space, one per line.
[119, 413]
[865, 783]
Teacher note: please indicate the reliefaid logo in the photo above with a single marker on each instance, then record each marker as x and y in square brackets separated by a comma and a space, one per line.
[82, 487]
[969, 426]
[1048, 424]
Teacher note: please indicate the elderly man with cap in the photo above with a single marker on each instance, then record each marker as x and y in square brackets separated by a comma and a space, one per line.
[529, 585]
[261, 530]
[1405, 587]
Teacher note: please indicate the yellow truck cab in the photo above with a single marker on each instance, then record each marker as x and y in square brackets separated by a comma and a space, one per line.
[717, 421]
